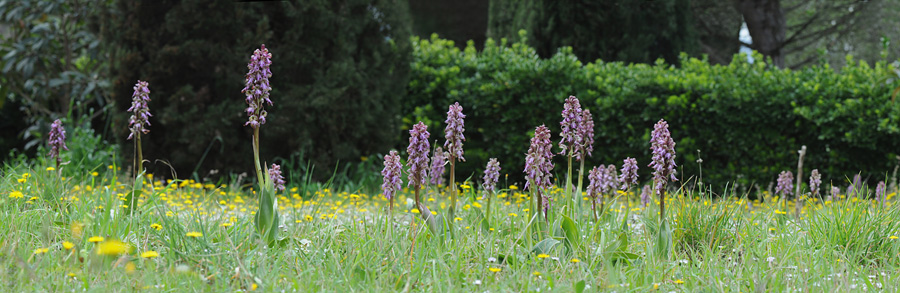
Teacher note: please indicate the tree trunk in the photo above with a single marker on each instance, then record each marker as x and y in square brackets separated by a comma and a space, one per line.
[765, 21]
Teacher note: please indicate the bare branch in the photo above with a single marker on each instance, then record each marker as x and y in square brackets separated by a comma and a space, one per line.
[809, 59]
[790, 9]
[842, 22]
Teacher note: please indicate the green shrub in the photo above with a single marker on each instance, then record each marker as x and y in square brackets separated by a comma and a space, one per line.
[748, 120]
[53, 66]
[88, 151]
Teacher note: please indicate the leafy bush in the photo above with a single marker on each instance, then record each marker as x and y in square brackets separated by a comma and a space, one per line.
[52, 67]
[88, 151]
[748, 120]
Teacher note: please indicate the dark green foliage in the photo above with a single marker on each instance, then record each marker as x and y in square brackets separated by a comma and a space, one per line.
[457, 20]
[718, 25]
[339, 70]
[749, 121]
[630, 31]
[51, 68]
[10, 127]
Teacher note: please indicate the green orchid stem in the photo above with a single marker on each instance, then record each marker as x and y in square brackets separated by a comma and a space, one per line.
[417, 195]
[488, 208]
[531, 213]
[256, 156]
[453, 191]
[577, 194]
[540, 203]
[569, 183]
[662, 203]
[140, 156]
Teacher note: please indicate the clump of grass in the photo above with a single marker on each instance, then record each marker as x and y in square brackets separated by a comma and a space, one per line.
[704, 223]
[856, 229]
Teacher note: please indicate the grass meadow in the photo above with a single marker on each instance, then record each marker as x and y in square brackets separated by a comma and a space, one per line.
[78, 233]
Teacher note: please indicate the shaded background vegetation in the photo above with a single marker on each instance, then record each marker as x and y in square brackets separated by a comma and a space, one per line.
[348, 82]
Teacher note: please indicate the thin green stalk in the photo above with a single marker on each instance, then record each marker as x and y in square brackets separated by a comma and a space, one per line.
[531, 213]
[453, 190]
[140, 156]
[416, 188]
[256, 156]
[540, 202]
[568, 193]
[487, 214]
[578, 190]
[662, 203]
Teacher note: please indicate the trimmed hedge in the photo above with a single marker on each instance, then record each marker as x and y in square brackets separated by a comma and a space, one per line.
[749, 120]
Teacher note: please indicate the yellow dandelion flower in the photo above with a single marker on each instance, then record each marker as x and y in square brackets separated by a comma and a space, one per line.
[457, 219]
[77, 229]
[113, 247]
[68, 245]
[254, 287]
[21, 180]
[130, 268]
[513, 187]
[96, 239]
[476, 204]
[156, 226]
[513, 215]
[679, 281]
[536, 273]
[893, 237]
[51, 169]
[149, 254]
[542, 255]
[495, 270]
[95, 174]
[575, 260]
[16, 194]
[194, 234]
[41, 250]
[227, 224]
